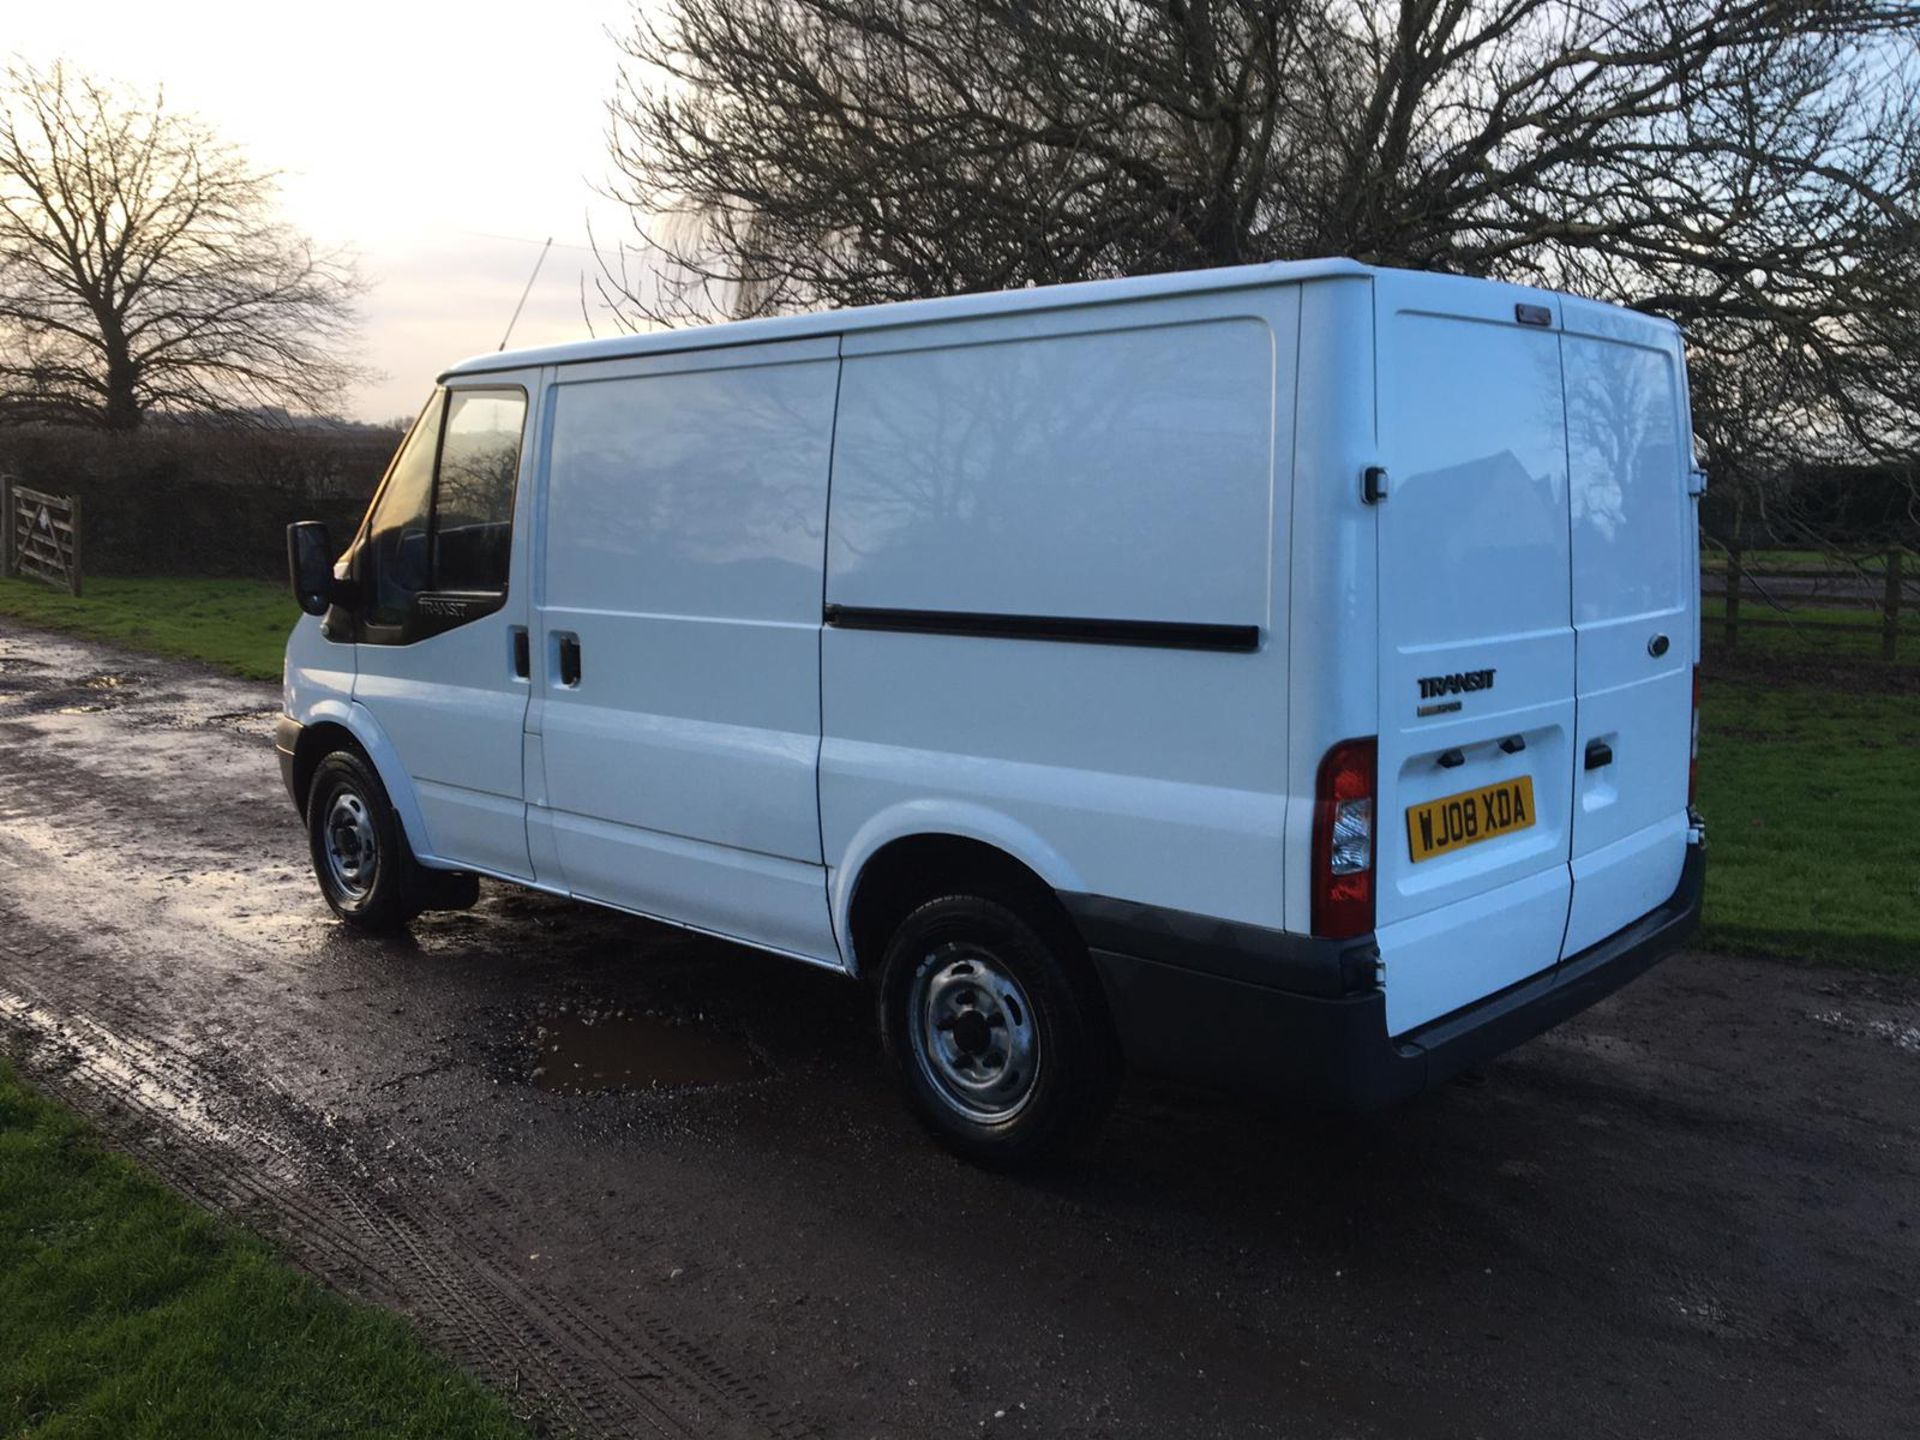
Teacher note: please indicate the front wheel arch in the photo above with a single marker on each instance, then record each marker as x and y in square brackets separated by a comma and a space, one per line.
[316, 742]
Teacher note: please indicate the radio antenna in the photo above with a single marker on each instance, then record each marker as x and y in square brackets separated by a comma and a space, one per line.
[539, 260]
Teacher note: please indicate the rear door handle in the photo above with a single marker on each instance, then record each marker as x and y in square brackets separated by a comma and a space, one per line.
[1598, 753]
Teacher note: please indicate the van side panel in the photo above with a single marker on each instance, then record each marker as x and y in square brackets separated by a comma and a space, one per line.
[1116, 463]
[685, 523]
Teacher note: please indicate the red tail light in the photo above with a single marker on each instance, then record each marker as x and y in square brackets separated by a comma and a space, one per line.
[1693, 749]
[1343, 836]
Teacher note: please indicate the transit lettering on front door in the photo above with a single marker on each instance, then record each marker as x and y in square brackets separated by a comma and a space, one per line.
[1456, 821]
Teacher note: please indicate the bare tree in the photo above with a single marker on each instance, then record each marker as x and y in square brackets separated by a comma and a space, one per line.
[1750, 168]
[143, 269]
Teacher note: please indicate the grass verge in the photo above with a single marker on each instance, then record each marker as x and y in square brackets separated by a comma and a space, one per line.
[1810, 781]
[238, 625]
[126, 1312]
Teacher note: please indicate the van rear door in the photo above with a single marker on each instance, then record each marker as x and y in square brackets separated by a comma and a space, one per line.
[1476, 740]
[1629, 453]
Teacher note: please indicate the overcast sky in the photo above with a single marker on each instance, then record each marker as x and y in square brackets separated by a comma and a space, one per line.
[441, 142]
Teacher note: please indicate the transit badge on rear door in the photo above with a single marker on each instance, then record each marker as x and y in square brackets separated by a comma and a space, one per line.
[1432, 687]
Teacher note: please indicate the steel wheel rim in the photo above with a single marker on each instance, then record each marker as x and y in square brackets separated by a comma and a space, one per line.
[974, 1033]
[351, 845]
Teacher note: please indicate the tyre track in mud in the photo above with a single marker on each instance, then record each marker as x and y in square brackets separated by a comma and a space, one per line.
[303, 1179]
[354, 1201]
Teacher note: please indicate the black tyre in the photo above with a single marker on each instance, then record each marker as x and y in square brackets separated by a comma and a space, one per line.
[360, 854]
[997, 1027]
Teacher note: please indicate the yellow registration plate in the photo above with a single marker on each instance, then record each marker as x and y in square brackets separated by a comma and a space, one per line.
[1453, 822]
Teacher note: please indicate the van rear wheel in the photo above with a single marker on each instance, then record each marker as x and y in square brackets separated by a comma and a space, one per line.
[360, 854]
[997, 1029]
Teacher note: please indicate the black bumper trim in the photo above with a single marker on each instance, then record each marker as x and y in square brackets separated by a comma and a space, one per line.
[1226, 949]
[286, 744]
[1198, 1023]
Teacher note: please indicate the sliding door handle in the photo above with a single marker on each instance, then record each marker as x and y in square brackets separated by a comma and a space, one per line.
[522, 653]
[569, 660]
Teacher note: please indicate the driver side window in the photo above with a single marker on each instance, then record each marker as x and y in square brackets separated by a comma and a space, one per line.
[444, 522]
[395, 565]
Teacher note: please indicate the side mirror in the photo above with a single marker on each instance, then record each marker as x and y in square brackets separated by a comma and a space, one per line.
[310, 566]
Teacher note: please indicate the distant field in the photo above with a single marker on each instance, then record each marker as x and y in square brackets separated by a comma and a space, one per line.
[238, 625]
[1812, 562]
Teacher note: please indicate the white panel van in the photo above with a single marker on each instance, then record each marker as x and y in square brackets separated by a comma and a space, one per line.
[1280, 675]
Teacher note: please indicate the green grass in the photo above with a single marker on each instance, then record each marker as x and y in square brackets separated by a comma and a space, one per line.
[238, 625]
[1832, 633]
[125, 1312]
[1811, 789]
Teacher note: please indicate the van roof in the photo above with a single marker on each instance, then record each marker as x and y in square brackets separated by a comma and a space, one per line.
[912, 312]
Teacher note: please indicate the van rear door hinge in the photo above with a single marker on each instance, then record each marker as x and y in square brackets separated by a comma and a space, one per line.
[1373, 484]
[1696, 482]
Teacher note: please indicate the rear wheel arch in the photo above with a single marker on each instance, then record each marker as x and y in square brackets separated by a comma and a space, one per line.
[907, 872]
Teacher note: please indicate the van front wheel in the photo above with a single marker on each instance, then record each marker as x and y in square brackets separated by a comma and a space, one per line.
[360, 854]
[997, 1030]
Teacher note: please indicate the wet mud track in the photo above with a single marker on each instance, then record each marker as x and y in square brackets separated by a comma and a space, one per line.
[654, 1185]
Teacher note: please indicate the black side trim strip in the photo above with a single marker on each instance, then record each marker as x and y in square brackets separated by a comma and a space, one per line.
[1164, 634]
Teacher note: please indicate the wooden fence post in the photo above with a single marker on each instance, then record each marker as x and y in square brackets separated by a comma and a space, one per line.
[1890, 613]
[6, 526]
[73, 575]
[1733, 593]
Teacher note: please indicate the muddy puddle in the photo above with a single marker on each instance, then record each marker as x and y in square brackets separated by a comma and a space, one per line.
[1899, 1034]
[19, 673]
[585, 1054]
[86, 696]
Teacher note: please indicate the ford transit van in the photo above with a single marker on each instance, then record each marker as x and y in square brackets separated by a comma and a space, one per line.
[1283, 675]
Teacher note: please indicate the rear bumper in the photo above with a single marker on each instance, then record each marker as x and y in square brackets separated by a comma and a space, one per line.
[1202, 1024]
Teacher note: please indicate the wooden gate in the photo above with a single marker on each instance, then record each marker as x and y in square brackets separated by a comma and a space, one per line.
[41, 535]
